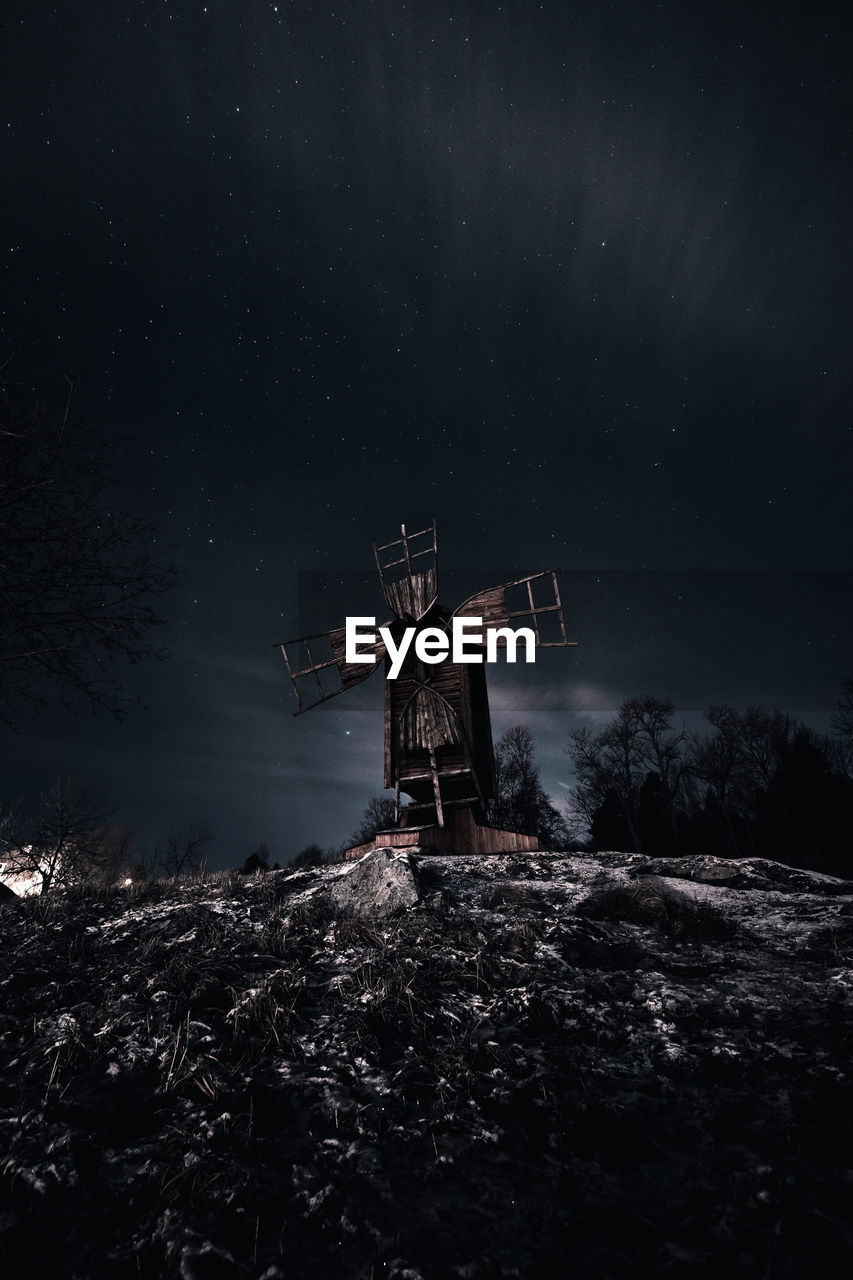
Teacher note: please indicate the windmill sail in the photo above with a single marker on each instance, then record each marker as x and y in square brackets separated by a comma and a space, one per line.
[408, 572]
[318, 668]
[496, 610]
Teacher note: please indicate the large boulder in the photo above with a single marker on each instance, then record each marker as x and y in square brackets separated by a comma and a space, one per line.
[743, 873]
[701, 867]
[378, 884]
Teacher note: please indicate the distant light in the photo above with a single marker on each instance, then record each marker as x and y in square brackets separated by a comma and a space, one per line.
[128, 881]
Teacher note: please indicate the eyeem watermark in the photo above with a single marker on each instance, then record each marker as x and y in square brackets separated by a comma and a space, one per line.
[464, 643]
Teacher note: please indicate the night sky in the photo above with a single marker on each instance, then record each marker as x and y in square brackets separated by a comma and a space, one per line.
[573, 280]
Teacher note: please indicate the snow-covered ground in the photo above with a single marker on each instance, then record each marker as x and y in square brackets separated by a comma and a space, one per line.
[600, 1066]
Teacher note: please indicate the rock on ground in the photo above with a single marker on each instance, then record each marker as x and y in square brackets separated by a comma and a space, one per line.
[378, 884]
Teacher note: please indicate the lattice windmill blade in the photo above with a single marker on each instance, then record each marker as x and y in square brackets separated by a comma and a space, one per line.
[413, 589]
[496, 610]
[318, 668]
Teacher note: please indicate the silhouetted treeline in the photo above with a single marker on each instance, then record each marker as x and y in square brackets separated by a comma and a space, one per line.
[756, 784]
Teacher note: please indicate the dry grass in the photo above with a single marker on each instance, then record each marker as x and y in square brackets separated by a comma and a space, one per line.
[197, 1070]
[507, 894]
[644, 901]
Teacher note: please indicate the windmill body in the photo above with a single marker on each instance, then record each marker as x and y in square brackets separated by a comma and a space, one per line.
[438, 740]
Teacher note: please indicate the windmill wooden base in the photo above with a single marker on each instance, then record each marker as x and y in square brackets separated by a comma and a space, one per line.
[460, 834]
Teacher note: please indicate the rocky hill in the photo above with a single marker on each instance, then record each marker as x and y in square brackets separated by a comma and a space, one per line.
[527, 1066]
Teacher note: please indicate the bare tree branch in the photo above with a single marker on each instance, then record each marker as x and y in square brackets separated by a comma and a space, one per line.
[182, 853]
[78, 580]
[66, 840]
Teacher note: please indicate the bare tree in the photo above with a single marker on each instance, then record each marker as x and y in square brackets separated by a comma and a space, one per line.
[608, 766]
[311, 856]
[182, 852]
[716, 762]
[736, 763]
[378, 816]
[257, 861]
[66, 841]
[77, 579]
[658, 743]
[592, 785]
[842, 724]
[616, 766]
[520, 802]
[114, 854]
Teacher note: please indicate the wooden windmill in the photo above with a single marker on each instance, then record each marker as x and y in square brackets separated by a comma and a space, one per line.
[438, 738]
